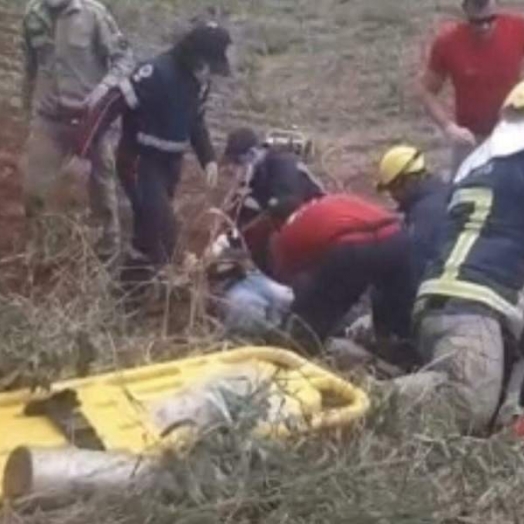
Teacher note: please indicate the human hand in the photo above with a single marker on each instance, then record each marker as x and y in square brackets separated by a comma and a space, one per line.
[460, 135]
[212, 174]
[76, 167]
[95, 96]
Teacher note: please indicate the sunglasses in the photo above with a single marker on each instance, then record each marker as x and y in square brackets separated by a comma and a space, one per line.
[483, 21]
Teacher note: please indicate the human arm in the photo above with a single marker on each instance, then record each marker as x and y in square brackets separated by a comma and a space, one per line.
[116, 54]
[202, 146]
[98, 119]
[430, 86]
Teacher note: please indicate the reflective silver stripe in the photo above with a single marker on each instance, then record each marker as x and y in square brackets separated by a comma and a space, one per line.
[129, 93]
[477, 293]
[167, 146]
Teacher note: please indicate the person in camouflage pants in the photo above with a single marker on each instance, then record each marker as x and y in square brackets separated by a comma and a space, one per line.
[74, 53]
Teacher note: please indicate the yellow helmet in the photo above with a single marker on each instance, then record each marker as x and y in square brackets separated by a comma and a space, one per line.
[399, 161]
[515, 100]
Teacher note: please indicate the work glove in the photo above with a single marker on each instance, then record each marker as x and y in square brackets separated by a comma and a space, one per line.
[95, 96]
[460, 135]
[212, 174]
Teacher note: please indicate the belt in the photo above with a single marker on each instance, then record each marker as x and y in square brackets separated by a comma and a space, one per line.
[363, 237]
[435, 302]
[439, 302]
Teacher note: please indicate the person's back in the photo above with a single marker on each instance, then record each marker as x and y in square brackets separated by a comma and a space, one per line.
[482, 257]
[331, 251]
[279, 175]
[278, 181]
[319, 226]
[425, 218]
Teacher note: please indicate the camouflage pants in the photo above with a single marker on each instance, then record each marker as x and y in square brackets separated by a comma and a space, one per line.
[49, 149]
[463, 346]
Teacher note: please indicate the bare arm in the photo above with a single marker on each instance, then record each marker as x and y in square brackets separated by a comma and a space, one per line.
[429, 88]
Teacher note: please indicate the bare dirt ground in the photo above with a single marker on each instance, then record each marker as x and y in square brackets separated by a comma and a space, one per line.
[341, 71]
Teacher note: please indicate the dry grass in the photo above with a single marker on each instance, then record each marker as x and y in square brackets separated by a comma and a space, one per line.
[342, 69]
[401, 468]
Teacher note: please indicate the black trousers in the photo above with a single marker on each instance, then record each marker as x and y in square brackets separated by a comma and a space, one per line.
[151, 194]
[346, 272]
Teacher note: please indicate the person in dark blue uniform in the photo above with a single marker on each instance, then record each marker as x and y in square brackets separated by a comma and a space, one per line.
[469, 307]
[422, 198]
[162, 106]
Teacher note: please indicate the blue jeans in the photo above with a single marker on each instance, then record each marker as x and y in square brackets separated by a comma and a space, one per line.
[255, 305]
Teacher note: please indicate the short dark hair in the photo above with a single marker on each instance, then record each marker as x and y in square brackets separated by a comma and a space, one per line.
[239, 142]
[475, 5]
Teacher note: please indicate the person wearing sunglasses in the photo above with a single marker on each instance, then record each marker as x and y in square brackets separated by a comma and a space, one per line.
[481, 56]
[421, 197]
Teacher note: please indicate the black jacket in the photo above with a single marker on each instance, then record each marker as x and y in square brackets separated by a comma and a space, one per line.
[425, 217]
[163, 111]
[277, 179]
[166, 106]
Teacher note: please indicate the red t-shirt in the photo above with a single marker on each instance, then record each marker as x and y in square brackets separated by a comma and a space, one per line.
[483, 71]
[322, 224]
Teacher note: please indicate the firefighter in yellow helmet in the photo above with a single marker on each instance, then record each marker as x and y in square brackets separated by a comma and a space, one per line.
[421, 197]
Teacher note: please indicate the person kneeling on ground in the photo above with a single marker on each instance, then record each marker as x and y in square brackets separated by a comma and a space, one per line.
[330, 251]
[162, 105]
[249, 302]
[422, 198]
[266, 177]
[469, 310]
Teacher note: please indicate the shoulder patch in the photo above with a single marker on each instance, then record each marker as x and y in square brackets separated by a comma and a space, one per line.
[143, 72]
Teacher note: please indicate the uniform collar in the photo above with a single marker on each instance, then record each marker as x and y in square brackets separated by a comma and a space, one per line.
[505, 140]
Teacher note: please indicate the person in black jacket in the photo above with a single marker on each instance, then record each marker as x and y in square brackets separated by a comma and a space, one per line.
[270, 180]
[422, 198]
[162, 108]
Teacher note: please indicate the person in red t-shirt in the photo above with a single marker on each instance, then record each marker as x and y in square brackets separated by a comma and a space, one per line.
[482, 57]
[332, 250]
